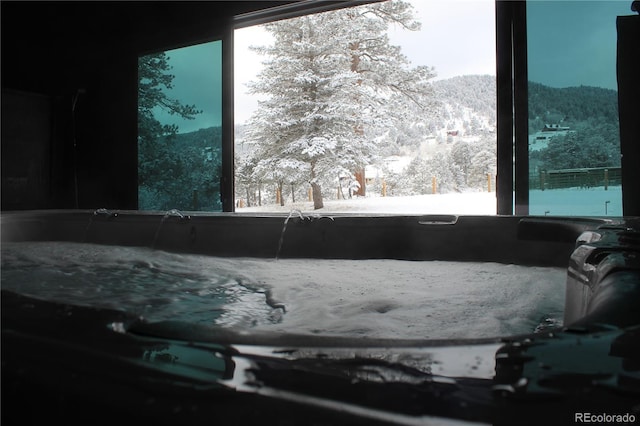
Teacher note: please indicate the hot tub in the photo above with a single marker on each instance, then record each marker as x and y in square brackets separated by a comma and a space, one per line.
[96, 360]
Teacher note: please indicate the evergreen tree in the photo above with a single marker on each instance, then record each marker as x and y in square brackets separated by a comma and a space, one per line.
[483, 164]
[579, 149]
[334, 86]
[461, 155]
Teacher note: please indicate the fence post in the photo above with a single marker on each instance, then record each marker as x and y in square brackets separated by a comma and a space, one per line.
[542, 179]
[488, 182]
[606, 179]
[384, 188]
[433, 184]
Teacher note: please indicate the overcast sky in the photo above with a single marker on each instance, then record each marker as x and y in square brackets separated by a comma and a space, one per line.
[568, 46]
[197, 81]
[573, 43]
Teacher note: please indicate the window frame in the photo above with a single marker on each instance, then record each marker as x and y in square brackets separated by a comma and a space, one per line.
[213, 37]
[262, 16]
[514, 62]
[512, 180]
[504, 187]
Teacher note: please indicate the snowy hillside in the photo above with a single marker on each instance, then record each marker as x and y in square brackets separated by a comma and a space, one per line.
[459, 131]
[468, 104]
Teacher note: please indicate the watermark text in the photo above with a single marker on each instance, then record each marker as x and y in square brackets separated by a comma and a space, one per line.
[604, 418]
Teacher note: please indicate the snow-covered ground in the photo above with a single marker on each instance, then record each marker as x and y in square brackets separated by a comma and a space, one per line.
[577, 202]
[471, 203]
[557, 202]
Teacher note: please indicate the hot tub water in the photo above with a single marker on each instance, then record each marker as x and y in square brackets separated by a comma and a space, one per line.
[356, 298]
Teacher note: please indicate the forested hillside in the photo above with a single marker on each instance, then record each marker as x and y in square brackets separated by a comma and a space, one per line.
[591, 114]
[571, 104]
[468, 97]
[182, 171]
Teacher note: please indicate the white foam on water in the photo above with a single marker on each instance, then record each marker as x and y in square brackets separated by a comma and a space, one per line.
[355, 298]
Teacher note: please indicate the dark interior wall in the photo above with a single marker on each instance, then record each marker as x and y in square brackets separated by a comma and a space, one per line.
[80, 57]
[628, 71]
[59, 54]
[69, 75]
[26, 137]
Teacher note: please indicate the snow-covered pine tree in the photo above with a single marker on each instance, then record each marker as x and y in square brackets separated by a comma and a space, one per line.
[334, 87]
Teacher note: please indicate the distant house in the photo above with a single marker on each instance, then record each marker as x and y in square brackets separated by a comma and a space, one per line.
[540, 140]
[376, 172]
[555, 128]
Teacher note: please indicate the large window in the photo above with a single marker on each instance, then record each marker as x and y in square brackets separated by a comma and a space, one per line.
[399, 110]
[574, 142]
[179, 129]
[379, 117]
